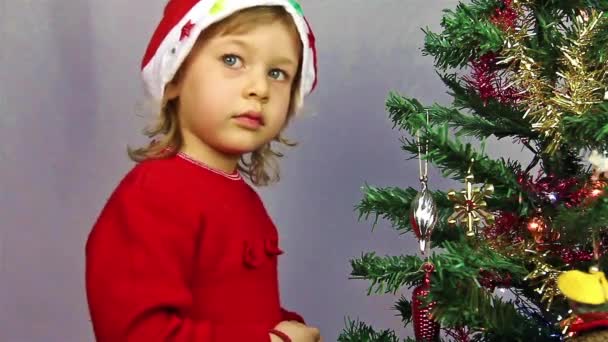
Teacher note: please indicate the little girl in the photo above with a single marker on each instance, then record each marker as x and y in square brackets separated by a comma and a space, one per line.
[184, 249]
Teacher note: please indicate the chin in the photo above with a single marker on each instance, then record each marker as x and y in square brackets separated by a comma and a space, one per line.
[238, 150]
[239, 145]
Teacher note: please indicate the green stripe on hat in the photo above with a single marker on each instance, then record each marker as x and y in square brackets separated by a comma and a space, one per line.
[297, 6]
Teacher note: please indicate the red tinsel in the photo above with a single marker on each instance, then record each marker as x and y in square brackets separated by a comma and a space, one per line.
[550, 189]
[491, 280]
[505, 223]
[487, 83]
[588, 193]
[575, 255]
[505, 16]
[484, 76]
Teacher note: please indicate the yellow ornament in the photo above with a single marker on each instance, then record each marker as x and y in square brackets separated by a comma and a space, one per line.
[586, 288]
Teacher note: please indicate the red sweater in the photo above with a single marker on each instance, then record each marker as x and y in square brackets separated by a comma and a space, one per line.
[183, 253]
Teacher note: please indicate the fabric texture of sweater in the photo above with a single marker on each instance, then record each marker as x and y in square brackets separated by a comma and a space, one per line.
[182, 252]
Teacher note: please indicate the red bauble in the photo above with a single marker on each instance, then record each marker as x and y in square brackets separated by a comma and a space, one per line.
[593, 190]
[588, 193]
[425, 328]
[542, 233]
[537, 227]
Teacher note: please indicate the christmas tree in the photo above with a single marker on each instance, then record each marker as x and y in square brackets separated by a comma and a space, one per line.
[535, 73]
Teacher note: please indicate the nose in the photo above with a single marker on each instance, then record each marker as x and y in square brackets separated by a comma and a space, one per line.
[257, 86]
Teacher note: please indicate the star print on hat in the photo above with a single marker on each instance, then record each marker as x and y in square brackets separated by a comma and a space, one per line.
[184, 20]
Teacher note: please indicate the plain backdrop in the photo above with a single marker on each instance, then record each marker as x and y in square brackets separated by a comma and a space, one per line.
[69, 93]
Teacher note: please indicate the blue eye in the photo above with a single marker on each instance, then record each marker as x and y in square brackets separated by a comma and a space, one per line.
[278, 74]
[231, 60]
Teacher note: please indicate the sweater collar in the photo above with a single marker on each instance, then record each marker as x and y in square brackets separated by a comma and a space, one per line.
[232, 176]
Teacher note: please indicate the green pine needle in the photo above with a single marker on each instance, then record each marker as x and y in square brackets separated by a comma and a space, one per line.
[577, 224]
[593, 126]
[505, 121]
[466, 34]
[404, 307]
[459, 261]
[459, 299]
[357, 331]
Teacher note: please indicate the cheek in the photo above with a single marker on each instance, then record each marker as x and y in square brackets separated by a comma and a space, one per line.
[283, 99]
[280, 112]
[204, 100]
[278, 124]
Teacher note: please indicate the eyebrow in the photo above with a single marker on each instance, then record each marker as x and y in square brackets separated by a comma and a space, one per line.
[281, 60]
[285, 61]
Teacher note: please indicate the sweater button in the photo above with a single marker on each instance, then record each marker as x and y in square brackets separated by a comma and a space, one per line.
[251, 257]
[271, 245]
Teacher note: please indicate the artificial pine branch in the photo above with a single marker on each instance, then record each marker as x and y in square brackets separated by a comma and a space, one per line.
[464, 259]
[450, 155]
[563, 163]
[570, 6]
[576, 224]
[469, 33]
[593, 127]
[476, 35]
[404, 307]
[503, 115]
[599, 53]
[494, 319]
[453, 158]
[357, 331]
[460, 299]
[469, 125]
[392, 204]
[460, 261]
[387, 274]
[545, 47]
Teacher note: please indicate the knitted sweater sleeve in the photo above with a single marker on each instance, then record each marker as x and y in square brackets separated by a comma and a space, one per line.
[139, 260]
[287, 315]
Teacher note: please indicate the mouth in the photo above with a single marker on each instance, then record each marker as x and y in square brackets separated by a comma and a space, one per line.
[250, 119]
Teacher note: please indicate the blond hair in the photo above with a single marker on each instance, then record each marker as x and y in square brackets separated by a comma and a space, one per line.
[262, 165]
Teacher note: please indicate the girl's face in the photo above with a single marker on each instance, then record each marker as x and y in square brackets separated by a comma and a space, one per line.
[234, 93]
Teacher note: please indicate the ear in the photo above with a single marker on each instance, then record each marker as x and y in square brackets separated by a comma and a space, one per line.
[172, 90]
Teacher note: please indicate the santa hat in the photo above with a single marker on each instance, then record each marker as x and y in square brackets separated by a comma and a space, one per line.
[184, 20]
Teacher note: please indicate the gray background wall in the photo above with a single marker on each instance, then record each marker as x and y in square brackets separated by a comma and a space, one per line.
[68, 106]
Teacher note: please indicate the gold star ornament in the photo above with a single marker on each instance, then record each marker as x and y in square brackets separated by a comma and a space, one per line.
[470, 205]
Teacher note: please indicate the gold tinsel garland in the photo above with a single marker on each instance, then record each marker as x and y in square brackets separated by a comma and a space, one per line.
[578, 86]
[584, 83]
[545, 277]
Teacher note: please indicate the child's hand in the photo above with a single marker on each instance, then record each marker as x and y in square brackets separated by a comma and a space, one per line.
[299, 332]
